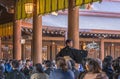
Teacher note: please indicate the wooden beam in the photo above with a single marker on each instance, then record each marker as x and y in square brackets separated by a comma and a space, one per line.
[54, 38]
[89, 39]
[112, 40]
[44, 39]
[26, 24]
[62, 39]
[98, 40]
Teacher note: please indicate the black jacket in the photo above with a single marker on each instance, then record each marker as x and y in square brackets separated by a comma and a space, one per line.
[109, 72]
[49, 70]
[76, 55]
[15, 74]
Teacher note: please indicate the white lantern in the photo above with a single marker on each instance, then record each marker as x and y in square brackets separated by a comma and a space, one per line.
[29, 8]
[22, 41]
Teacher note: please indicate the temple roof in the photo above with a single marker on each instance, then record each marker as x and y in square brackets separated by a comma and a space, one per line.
[85, 22]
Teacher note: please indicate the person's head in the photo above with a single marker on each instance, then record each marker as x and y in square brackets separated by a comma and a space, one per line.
[15, 64]
[93, 66]
[116, 65]
[69, 42]
[28, 62]
[48, 64]
[107, 62]
[39, 68]
[74, 65]
[61, 63]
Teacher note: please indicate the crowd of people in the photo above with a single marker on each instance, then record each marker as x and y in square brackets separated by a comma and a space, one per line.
[65, 66]
[61, 69]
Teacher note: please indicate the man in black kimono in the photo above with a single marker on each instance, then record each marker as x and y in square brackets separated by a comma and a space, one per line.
[68, 50]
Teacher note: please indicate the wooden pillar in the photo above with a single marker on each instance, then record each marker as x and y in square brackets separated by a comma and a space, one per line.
[48, 52]
[51, 51]
[17, 40]
[54, 50]
[37, 35]
[102, 49]
[23, 52]
[16, 36]
[73, 23]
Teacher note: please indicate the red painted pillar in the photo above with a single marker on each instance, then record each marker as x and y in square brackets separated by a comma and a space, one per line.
[16, 36]
[37, 36]
[102, 49]
[73, 23]
[53, 50]
[17, 40]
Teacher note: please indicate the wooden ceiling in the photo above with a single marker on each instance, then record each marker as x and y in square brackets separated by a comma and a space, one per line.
[7, 3]
[5, 7]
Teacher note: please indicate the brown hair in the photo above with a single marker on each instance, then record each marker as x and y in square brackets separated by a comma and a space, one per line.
[61, 62]
[93, 66]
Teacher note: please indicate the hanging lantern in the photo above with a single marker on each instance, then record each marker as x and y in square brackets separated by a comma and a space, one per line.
[29, 8]
[54, 13]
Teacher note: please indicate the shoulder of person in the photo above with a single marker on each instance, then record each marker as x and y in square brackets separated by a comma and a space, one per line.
[101, 75]
[16, 73]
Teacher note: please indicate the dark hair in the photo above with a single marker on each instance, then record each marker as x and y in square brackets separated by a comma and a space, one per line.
[39, 68]
[27, 61]
[15, 64]
[62, 63]
[68, 41]
[72, 63]
[116, 65]
[107, 62]
[48, 63]
[93, 66]
[19, 60]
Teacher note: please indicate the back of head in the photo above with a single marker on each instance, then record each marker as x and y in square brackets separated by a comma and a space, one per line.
[15, 64]
[107, 62]
[93, 66]
[48, 63]
[39, 68]
[116, 65]
[61, 63]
